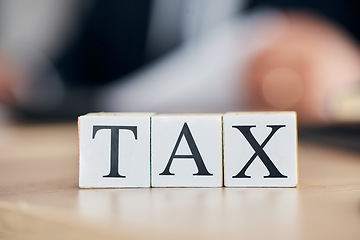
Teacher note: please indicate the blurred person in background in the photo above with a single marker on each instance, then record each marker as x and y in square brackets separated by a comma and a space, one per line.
[65, 58]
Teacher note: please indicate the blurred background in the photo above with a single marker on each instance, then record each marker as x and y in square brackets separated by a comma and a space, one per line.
[61, 59]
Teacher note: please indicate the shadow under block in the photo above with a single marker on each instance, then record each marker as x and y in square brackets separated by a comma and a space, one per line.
[186, 150]
[114, 150]
[260, 149]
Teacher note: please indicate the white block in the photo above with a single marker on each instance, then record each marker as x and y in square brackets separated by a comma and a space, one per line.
[186, 150]
[260, 149]
[114, 150]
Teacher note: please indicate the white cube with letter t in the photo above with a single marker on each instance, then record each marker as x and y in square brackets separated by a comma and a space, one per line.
[260, 149]
[114, 150]
[186, 150]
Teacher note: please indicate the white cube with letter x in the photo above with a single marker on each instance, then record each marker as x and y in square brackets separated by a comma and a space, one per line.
[186, 150]
[260, 149]
[114, 150]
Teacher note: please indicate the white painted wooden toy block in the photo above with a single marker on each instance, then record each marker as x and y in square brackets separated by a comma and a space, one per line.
[186, 150]
[260, 149]
[114, 150]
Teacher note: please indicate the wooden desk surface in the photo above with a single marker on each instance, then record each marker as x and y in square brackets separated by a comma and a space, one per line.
[39, 198]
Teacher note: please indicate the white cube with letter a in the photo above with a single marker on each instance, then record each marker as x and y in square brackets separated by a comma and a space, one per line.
[114, 150]
[260, 149]
[186, 150]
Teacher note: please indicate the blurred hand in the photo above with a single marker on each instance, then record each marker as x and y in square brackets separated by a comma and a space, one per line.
[306, 69]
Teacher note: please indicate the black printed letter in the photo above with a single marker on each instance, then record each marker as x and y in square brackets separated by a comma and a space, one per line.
[114, 148]
[259, 151]
[194, 150]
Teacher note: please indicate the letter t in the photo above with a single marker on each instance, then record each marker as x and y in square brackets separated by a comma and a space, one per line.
[114, 146]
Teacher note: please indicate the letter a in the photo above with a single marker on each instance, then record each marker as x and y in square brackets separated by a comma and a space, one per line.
[185, 131]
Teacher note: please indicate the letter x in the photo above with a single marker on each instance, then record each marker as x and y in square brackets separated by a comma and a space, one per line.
[259, 151]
